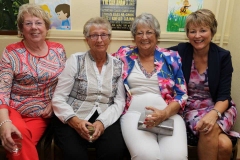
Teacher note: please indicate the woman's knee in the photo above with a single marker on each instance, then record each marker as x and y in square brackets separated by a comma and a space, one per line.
[142, 155]
[145, 153]
[211, 136]
[176, 151]
[176, 155]
[224, 144]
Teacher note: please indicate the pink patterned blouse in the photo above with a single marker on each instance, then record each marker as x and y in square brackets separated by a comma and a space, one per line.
[27, 82]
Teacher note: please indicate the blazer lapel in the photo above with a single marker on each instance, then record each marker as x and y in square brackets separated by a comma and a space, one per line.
[186, 54]
[213, 67]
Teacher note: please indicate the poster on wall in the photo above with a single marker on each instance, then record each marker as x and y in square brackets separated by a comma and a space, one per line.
[58, 12]
[178, 10]
[120, 13]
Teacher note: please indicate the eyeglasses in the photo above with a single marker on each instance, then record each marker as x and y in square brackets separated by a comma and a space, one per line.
[30, 24]
[95, 36]
[148, 34]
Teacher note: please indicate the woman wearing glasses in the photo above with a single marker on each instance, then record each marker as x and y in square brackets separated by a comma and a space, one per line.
[28, 77]
[154, 81]
[90, 94]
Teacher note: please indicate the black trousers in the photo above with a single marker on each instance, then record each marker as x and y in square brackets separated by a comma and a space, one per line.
[109, 146]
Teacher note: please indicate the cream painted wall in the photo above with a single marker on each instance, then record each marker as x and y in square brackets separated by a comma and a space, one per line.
[74, 41]
[226, 12]
[234, 47]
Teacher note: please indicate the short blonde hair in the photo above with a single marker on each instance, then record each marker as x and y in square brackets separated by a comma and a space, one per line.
[201, 17]
[33, 10]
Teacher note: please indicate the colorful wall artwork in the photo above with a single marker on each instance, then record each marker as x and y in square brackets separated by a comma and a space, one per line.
[58, 11]
[178, 10]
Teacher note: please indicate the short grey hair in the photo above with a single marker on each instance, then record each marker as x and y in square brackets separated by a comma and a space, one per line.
[98, 22]
[148, 20]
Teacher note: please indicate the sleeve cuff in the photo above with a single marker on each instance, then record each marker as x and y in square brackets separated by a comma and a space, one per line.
[65, 120]
[102, 123]
[4, 106]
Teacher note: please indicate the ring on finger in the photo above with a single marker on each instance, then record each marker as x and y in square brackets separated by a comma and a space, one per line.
[205, 129]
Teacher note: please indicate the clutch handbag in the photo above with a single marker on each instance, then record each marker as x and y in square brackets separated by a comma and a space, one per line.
[164, 128]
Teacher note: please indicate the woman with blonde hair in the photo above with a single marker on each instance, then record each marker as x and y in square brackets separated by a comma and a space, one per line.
[210, 112]
[29, 72]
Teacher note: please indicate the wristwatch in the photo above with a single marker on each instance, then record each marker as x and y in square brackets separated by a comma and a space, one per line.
[218, 113]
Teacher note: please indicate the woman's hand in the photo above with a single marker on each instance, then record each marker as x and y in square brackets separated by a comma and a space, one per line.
[156, 117]
[6, 131]
[207, 122]
[99, 129]
[80, 126]
[48, 111]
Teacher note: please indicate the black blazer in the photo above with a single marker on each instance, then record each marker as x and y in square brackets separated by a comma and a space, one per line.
[219, 69]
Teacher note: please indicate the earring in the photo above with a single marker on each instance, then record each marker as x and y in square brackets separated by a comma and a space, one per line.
[20, 34]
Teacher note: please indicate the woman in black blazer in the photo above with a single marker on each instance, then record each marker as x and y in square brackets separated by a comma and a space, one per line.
[210, 112]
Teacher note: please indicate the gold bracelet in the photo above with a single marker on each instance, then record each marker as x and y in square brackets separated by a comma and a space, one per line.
[8, 120]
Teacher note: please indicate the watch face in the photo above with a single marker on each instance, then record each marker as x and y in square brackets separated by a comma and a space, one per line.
[219, 115]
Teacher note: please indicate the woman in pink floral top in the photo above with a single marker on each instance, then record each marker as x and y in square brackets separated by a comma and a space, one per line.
[154, 81]
[29, 73]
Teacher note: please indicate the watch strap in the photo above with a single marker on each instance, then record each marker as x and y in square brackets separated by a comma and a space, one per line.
[218, 113]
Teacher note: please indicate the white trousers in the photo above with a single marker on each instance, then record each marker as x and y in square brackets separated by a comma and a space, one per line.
[144, 145]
